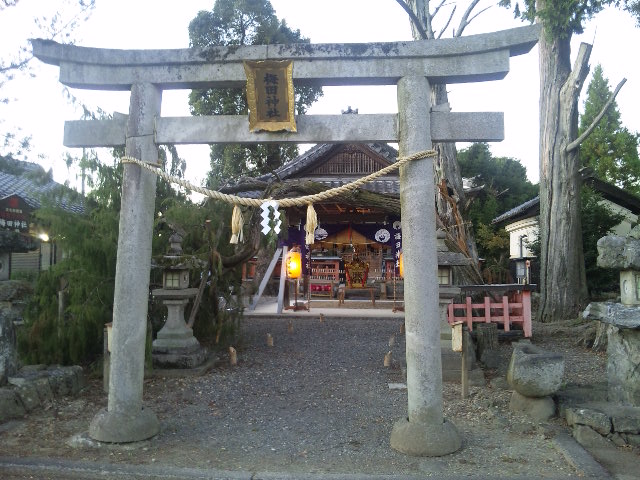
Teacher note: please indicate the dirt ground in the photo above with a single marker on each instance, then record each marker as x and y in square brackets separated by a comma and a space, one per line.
[317, 402]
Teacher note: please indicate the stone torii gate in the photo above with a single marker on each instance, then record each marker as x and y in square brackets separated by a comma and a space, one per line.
[412, 66]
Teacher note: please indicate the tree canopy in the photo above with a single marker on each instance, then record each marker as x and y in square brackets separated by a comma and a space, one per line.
[611, 151]
[243, 22]
[504, 185]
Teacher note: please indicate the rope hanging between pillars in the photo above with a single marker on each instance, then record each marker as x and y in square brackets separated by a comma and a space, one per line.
[308, 200]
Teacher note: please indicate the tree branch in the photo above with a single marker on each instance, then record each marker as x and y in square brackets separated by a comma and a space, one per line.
[477, 14]
[448, 21]
[464, 21]
[414, 19]
[437, 9]
[576, 143]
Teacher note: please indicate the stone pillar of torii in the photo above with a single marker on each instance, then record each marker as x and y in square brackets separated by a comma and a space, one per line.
[413, 66]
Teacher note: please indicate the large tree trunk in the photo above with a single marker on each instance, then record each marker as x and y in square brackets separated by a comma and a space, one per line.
[563, 290]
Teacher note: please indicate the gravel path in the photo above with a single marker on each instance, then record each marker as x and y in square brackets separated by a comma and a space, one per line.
[318, 401]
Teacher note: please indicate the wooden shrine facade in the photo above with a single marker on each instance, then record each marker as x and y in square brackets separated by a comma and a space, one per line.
[363, 227]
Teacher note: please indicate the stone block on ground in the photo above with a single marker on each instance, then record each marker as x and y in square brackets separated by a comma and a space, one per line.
[539, 409]
[58, 381]
[44, 389]
[595, 419]
[618, 440]
[623, 362]
[633, 439]
[589, 438]
[626, 419]
[28, 394]
[10, 404]
[534, 372]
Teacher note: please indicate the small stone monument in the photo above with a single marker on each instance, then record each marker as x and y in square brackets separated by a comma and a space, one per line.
[623, 333]
[175, 345]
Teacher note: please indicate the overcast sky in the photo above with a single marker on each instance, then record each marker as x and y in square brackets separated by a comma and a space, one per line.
[39, 106]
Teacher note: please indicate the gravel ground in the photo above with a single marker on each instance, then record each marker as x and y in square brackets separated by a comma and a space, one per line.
[318, 401]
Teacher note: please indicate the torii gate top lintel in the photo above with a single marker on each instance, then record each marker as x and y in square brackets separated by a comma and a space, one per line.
[112, 69]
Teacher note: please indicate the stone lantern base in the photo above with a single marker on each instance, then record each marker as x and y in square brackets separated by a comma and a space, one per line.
[179, 357]
[175, 346]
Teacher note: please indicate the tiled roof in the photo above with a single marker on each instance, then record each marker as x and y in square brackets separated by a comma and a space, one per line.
[317, 153]
[30, 182]
[528, 208]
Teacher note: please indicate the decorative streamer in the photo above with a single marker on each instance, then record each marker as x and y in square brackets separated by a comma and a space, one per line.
[236, 225]
[267, 217]
[310, 226]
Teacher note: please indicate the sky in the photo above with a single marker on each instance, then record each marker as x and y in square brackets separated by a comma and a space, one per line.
[39, 105]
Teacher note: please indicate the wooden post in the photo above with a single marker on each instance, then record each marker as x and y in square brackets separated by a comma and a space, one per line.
[283, 277]
[464, 380]
[505, 313]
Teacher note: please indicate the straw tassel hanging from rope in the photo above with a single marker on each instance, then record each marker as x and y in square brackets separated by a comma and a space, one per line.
[310, 226]
[236, 225]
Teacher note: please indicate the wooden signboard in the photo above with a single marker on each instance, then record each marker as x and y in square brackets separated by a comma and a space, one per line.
[456, 337]
[270, 95]
[14, 214]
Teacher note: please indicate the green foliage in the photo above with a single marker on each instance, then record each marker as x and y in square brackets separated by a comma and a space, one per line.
[611, 150]
[87, 272]
[561, 18]
[243, 22]
[505, 186]
[494, 246]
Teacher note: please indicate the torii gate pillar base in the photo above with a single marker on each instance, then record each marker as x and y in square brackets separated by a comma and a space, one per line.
[122, 427]
[425, 439]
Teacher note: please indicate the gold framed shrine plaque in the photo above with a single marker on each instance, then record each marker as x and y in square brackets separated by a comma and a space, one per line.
[270, 95]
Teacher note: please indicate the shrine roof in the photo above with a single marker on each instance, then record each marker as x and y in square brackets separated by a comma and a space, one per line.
[30, 182]
[296, 168]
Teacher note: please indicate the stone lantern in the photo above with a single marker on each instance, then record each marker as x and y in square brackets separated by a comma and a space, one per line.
[623, 319]
[175, 345]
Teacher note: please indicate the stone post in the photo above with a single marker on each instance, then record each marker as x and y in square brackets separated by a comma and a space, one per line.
[125, 419]
[425, 432]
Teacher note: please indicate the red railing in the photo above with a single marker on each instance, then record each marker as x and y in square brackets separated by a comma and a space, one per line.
[514, 309]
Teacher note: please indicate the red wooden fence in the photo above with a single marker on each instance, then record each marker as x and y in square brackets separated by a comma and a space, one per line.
[514, 309]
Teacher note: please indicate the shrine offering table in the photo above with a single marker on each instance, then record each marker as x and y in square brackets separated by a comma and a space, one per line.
[343, 291]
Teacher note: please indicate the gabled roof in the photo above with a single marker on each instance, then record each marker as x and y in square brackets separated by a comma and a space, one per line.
[303, 166]
[30, 182]
[531, 208]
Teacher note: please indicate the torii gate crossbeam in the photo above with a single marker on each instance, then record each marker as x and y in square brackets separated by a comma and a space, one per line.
[412, 66]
